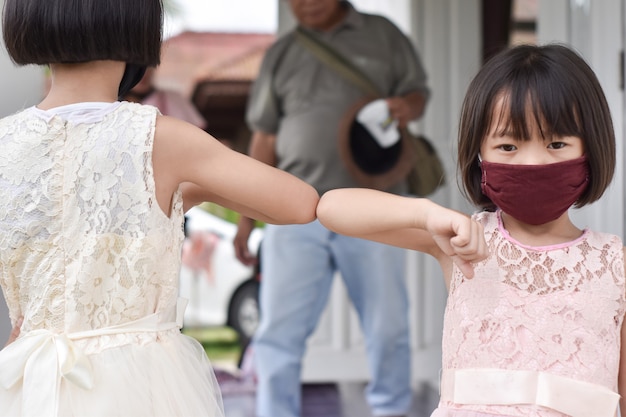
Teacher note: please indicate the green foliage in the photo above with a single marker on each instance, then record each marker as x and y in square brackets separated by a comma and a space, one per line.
[220, 343]
[224, 213]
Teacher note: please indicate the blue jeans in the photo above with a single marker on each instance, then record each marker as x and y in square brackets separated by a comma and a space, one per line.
[298, 265]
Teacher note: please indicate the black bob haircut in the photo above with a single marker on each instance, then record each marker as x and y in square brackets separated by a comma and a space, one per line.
[551, 84]
[46, 32]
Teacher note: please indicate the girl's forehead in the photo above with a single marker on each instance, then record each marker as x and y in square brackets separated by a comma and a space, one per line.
[503, 112]
[519, 117]
[504, 104]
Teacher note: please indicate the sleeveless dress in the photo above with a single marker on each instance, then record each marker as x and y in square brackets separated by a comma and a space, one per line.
[536, 332]
[91, 262]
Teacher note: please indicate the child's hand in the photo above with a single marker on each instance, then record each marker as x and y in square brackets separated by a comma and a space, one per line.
[459, 237]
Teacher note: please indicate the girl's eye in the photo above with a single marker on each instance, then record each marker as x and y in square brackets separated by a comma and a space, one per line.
[507, 148]
[556, 145]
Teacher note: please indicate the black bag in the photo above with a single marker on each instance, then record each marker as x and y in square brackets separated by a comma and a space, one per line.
[368, 155]
[373, 166]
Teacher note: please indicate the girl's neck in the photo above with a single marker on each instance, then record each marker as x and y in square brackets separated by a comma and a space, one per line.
[558, 231]
[96, 81]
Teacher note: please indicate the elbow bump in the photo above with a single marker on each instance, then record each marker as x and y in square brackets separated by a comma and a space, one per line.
[307, 215]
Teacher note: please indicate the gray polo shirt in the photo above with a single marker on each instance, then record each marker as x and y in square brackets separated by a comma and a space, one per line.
[302, 101]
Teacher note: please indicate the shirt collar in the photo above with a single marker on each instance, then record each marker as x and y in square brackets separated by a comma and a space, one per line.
[353, 18]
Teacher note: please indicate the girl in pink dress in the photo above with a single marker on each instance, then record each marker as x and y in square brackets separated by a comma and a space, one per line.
[533, 321]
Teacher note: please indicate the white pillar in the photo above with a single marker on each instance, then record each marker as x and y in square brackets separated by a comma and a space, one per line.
[594, 29]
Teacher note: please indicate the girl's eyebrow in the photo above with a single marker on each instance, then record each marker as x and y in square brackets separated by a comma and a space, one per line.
[499, 140]
[505, 130]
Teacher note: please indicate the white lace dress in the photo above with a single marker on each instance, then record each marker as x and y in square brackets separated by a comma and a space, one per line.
[536, 332]
[91, 262]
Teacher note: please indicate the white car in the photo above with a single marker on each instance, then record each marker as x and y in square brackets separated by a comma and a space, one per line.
[220, 289]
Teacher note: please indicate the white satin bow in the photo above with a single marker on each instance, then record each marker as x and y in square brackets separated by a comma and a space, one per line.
[42, 358]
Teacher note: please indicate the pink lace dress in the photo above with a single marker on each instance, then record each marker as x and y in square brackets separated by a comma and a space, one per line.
[91, 261]
[537, 331]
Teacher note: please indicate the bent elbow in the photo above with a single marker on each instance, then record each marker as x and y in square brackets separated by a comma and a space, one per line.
[308, 206]
[302, 210]
[324, 211]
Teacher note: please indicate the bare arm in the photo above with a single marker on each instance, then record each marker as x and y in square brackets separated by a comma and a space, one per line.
[210, 171]
[412, 223]
[262, 148]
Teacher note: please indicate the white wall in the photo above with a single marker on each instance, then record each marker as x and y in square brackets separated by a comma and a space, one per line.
[19, 88]
[594, 29]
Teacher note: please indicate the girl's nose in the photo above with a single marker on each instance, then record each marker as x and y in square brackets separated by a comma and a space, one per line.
[531, 161]
[532, 155]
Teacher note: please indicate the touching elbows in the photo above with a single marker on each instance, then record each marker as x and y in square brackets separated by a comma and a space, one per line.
[325, 209]
[303, 208]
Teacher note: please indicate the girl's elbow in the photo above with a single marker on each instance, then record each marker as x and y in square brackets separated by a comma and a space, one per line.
[302, 211]
[322, 210]
[298, 217]
[325, 210]
[307, 217]
[308, 213]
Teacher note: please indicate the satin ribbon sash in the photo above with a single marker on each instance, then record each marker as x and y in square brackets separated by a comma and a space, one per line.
[41, 359]
[508, 387]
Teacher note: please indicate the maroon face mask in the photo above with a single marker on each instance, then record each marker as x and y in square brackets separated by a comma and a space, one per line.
[535, 194]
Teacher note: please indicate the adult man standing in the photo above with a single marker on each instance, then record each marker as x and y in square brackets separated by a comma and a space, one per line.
[295, 111]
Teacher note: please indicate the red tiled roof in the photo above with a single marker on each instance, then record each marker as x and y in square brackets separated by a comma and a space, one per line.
[193, 57]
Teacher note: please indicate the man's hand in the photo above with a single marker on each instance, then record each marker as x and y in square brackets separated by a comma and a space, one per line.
[240, 242]
[403, 109]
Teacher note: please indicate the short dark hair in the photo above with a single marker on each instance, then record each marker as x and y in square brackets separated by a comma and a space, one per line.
[565, 99]
[71, 31]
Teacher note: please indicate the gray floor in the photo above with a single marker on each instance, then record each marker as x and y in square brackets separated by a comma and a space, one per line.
[353, 402]
[325, 400]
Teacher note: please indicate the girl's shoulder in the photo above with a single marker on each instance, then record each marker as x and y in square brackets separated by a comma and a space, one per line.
[135, 109]
[16, 116]
[488, 219]
[609, 242]
[79, 113]
[24, 120]
[603, 239]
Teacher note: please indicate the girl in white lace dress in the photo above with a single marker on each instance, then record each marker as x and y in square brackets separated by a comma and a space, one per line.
[92, 196]
[535, 311]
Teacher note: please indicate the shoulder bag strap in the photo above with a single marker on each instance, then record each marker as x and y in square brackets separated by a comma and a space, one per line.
[334, 60]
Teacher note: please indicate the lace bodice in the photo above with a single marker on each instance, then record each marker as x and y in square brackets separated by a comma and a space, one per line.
[83, 242]
[564, 318]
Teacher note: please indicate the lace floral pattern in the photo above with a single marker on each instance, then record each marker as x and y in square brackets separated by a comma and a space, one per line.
[83, 243]
[565, 318]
